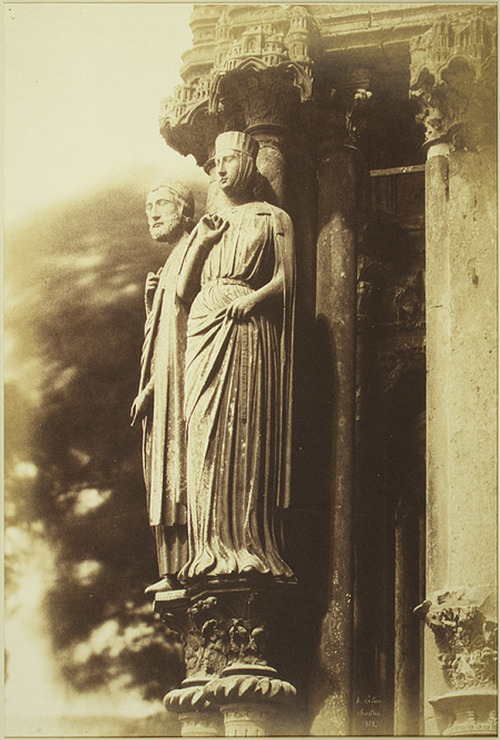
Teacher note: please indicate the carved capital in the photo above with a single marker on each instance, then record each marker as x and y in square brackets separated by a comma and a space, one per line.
[464, 622]
[229, 627]
[453, 79]
[466, 638]
[199, 627]
[344, 114]
[258, 97]
[236, 617]
[192, 132]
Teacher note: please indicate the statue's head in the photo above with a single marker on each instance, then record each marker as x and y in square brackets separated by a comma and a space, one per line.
[170, 210]
[235, 161]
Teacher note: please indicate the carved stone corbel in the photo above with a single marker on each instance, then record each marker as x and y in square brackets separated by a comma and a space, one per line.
[344, 111]
[453, 79]
[358, 103]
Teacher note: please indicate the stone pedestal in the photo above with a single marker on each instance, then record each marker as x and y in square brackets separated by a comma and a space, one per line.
[251, 699]
[229, 627]
[247, 720]
[467, 713]
[197, 718]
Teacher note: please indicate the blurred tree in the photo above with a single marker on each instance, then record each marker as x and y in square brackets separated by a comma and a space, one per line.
[74, 323]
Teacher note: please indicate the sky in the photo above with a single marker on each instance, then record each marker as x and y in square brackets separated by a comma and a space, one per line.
[82, 89]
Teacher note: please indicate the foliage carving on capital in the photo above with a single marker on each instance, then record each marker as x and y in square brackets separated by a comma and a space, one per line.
[227, 637]
[466, 637]
[204, 650]
[257, 98]
[346, 112]
[453, 80]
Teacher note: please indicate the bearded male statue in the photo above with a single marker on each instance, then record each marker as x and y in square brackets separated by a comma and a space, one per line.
[159, 404]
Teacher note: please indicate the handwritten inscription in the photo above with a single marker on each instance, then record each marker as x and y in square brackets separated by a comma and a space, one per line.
[369, 711]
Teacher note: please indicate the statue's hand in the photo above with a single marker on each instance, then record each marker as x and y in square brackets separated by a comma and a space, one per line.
[141, 405]
[211, 227]
[241, 308]
[151, 282]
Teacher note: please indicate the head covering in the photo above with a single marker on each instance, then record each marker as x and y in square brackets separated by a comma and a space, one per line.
[181, 192]
[237, 140]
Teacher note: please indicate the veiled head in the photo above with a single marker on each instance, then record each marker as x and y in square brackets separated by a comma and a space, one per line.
[235, 161]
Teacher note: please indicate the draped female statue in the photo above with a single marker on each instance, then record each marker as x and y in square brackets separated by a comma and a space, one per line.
[238, 370]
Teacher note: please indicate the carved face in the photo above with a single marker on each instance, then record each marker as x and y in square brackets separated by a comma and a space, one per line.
[164, 214]
[228, 166]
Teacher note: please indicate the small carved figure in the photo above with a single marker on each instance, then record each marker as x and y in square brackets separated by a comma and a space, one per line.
[238, 277]
[160, 400]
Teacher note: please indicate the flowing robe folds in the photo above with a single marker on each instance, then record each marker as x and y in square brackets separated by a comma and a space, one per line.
[238, 399]
[164, 429]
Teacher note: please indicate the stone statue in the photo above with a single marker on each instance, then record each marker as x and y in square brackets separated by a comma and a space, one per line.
[238, 278]
[160, 400]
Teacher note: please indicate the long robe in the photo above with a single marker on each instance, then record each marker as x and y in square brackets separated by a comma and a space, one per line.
[164, 431]
[238, 399]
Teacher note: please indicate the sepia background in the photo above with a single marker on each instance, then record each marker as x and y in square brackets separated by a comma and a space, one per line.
[83, 85]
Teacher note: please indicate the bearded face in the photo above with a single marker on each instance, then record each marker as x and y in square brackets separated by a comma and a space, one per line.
[165, 219]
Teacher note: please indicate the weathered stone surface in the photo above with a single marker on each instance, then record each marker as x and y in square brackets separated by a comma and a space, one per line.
[464, 622]
[238, 380]
[336, 308]
[462, 329]
[159, 401]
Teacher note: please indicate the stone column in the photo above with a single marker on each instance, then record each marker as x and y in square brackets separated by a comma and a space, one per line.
[252, 697]
[338, 200]
[453, 79]
[342, 123]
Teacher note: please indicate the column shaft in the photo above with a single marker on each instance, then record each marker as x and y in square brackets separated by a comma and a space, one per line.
[338, 181]
[461, 286]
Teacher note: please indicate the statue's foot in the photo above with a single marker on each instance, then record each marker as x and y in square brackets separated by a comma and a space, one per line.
[165, 584]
